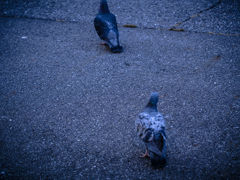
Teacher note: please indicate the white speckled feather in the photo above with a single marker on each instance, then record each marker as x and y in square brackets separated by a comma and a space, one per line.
[153, 120]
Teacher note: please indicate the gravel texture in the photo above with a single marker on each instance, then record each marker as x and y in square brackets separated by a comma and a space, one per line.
[68, 104]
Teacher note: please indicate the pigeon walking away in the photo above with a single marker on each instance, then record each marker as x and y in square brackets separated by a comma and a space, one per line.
[106, 26]
[150, 126]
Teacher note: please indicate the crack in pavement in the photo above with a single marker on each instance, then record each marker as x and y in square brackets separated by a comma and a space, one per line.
[177, 30]
[196, 15]
[173, 28]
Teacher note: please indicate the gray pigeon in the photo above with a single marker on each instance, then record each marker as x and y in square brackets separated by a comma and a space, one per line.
[150, 126]
[106, 26]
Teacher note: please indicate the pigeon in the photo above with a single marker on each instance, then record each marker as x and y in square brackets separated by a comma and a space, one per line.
[150, 127]
[106, 26]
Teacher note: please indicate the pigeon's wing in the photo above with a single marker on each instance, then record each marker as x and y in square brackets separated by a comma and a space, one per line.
[158, 124]
[104, 23]
[143, 127]
[159, 140]
[141, 124]
[106, 27]
[154, 121]
[101, 26]
[112, 22]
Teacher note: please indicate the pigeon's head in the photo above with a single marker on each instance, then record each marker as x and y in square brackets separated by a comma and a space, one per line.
[154, 98]
[103, 7]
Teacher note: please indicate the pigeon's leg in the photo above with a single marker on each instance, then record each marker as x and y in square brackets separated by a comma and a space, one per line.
[103, 43]
[145, 155]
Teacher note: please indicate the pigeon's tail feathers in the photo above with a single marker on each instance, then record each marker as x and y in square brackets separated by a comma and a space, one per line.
[157, 161]
[114, 44]
[116, 49]
[112, 40]
[157, 150]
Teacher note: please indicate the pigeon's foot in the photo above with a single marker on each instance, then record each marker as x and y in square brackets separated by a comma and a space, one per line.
[145, 155]
[103, 43]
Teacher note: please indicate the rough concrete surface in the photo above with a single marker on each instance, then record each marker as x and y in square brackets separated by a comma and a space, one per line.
[68, 104]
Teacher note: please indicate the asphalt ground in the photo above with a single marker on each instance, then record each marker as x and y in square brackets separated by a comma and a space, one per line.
[68, 104]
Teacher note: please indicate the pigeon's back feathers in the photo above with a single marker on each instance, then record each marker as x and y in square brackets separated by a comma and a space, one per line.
[106, 26]
[104, 23]
[153, 121]
[150, 126]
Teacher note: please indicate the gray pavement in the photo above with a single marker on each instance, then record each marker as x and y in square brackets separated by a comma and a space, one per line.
[68, 104]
